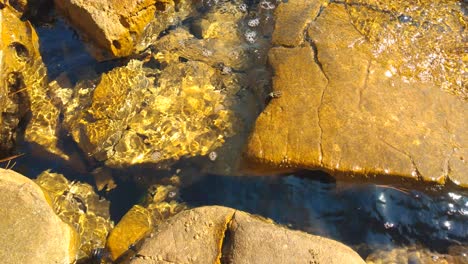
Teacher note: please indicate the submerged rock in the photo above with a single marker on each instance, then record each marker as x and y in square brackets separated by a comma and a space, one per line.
[223, 235]
[78, 205]
[415, 255]
[349, 111]
[23, 93]
[134, 118]
[30, 231]
[140, 220]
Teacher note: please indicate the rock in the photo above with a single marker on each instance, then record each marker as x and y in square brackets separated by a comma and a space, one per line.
[134, 226]
[356, 110]
[78, 205]
[185, 115]
[254, 240]
[30, 231]
[193, 236]
[26, 88]
[160, 204]
[217, 234]
[415, 255]
[115, 27]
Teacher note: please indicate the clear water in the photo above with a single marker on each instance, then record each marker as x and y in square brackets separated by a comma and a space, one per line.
[364, 216]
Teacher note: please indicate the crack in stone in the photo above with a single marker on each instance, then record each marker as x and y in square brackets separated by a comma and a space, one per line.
[222, 256]
[361, 91]
[415, 172]
[319, 107]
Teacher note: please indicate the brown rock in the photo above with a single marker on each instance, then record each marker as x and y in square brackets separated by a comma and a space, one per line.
[193, 236]
[344, 111]
[111, 25]
[217, 234]
[30, 231]
[257, 241]
[24, 85]
[135, 225]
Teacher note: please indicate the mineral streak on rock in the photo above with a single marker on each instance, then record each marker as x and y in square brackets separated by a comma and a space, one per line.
[353, 113]
[24, 86]
[77, 204]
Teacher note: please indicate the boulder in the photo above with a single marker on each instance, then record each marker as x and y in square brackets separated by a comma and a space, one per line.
[217, 234]
[115, 27]
[24, 86]
[30, 231]
[345, 102]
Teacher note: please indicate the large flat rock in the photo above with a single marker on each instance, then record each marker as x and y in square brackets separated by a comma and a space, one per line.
[345, 111]
[30, 231]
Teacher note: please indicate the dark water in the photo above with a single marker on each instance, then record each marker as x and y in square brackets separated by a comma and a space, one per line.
[364, 216]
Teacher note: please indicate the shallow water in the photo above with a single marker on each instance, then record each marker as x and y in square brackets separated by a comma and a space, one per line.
[365, 216]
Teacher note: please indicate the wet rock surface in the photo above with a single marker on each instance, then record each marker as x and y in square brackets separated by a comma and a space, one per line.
[219, 234]
[78, 205]
[115, 27]
[30, 231]
[24, 93]
[355, 115]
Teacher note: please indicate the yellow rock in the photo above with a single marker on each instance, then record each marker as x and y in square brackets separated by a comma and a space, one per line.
[345, 111]
[24, 84]
[134, 226]
[30, 231]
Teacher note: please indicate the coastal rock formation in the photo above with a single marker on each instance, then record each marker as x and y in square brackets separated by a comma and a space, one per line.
[356, 107]
[217, 234]
[30, 231]
[115, 27]
[24, 88]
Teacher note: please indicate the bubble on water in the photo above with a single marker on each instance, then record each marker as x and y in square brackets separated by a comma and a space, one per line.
[388, 225]
[253, 22]
[454, 196]
[213, 156]
[250, 36]
[266, 4]
[243, 7]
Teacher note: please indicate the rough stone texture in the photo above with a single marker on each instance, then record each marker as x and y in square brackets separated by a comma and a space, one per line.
[111, 25]
[343, 111]
[218, 234]
[255, 241]
[117, 27]
[30, 231]
[24, 86]
[193, 236]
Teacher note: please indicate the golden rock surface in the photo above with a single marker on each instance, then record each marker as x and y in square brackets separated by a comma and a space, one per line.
[134, 226]
[24, 85]
[140, 220]
[135, 119]
[215, 234]
[116, 26]
[78, 205]
[354, 115]
[413, 254]
[30, 231]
